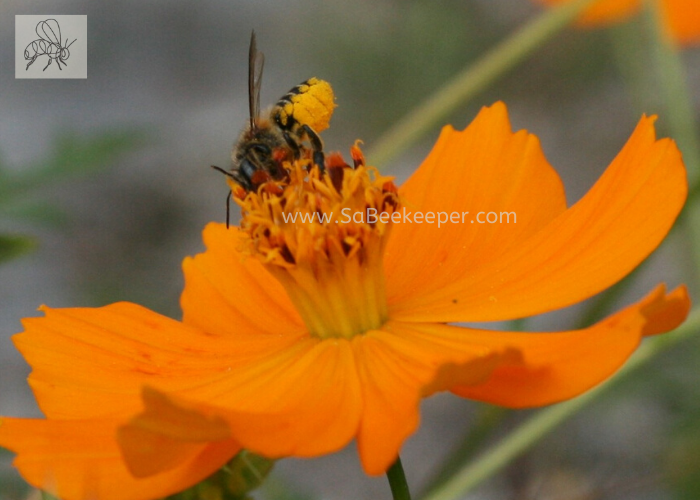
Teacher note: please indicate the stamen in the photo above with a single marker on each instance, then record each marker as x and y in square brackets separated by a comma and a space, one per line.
[322, 235]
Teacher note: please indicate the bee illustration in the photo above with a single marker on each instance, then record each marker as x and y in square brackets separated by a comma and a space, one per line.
[288, 132]
[49, 43]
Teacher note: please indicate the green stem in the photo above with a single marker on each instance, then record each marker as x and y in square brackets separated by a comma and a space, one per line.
[473, 79]
[548, 419]
[679, 115]
[674, 91]
[671, 86]
[630, 47]
[488, 419]
[397, 481]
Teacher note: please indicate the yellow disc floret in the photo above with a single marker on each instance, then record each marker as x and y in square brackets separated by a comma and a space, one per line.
[322, 236]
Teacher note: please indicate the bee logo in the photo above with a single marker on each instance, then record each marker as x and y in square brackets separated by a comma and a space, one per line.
[288, 132]
[49, 44]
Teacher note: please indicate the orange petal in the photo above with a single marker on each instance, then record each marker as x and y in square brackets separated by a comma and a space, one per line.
[164, 436]
[80, 460]
[227, 292]
[93, 362]
[485, 168]
[397, 366]
[604, 11]
[276, 411]
[591, 246]
[302, 401]
[683, 18]
[559, 366]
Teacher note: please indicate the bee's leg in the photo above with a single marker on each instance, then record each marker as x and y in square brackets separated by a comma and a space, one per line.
[49, 64]
[236, 176]
[228, 208]
[316, 145]
[31, 62]
[244, 175]
[293, 145]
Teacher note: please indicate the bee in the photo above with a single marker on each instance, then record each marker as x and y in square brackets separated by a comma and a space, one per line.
[288, 132]
[49, 43]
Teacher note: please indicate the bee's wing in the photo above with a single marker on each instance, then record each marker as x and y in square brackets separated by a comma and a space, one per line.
[50, 31]
[256, 61]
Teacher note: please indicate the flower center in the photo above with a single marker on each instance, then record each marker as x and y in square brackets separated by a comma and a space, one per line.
[322, 235]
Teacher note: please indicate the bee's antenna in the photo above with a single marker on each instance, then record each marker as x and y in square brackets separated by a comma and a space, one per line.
[225, 172]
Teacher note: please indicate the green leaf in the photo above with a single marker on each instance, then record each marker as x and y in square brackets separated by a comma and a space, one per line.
[47, 496]
[76, 155]
[682, 465]
[244, 473]
[12, 246]
[40, 213]
[72, 155]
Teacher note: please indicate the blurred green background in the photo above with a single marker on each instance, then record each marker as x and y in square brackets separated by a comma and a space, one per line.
[105, 186]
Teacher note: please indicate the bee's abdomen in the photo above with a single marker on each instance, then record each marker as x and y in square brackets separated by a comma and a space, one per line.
[309, 103]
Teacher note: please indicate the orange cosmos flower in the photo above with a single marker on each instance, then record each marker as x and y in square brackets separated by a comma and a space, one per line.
[682, 16]
[299, 336]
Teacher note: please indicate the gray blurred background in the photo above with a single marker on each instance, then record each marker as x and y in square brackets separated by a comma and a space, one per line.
[166, 97]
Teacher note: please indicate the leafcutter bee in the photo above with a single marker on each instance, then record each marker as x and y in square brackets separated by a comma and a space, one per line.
[287, 132]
